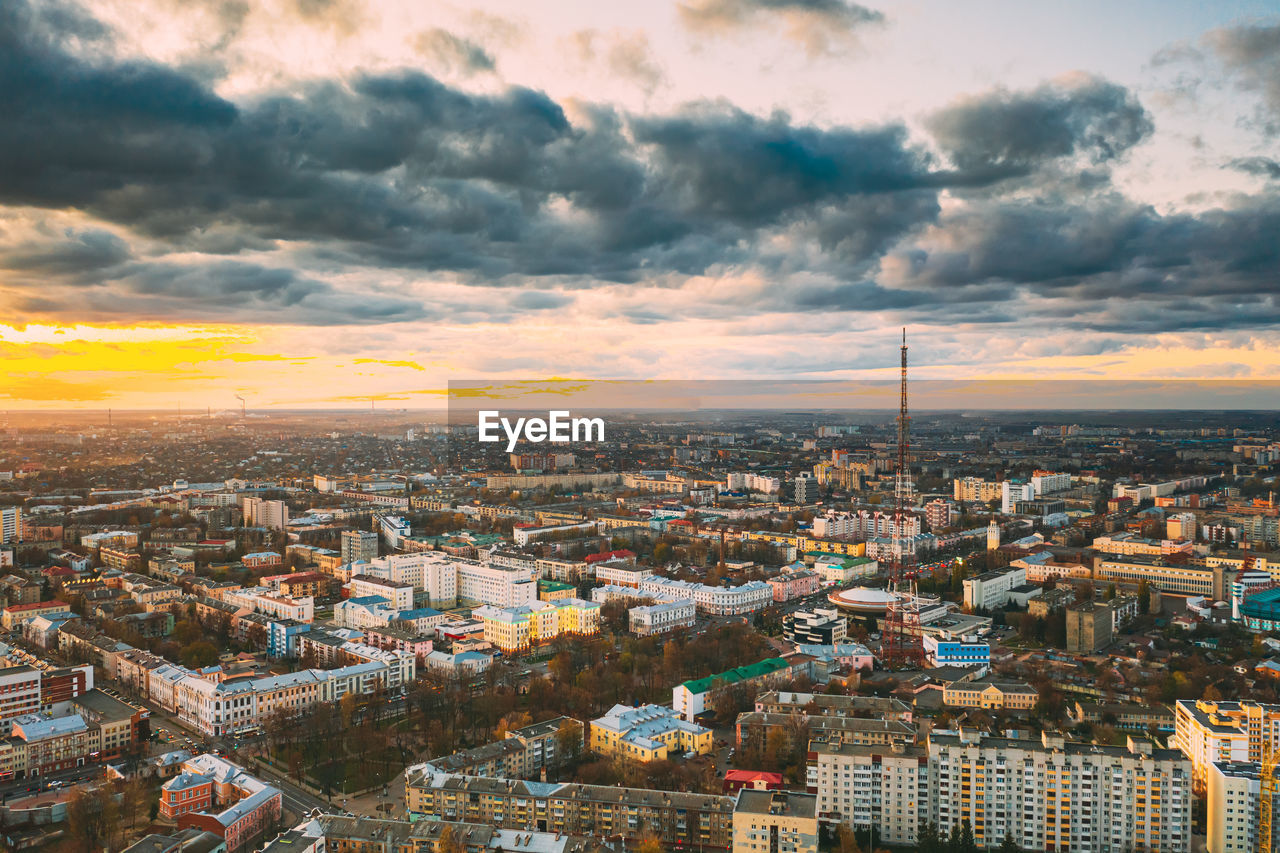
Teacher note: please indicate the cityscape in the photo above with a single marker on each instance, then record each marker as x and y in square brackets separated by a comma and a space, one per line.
[689, 426]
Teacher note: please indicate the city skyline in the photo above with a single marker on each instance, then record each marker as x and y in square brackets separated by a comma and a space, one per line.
[317, 204]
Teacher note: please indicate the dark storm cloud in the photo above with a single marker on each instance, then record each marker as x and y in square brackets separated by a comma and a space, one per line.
[453, 52]
[78, 253]
[225, 290]
[1018, 131]
[398, 170]
[1151, 268]
[1262, 166]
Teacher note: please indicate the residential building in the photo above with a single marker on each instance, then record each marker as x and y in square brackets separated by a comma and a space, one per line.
[1234, 800]
[358, 545]
[1053, 794]
[264, 513]
[677, 819]
[1012, 493]
[1208, 732]
[1090, 625]
[793, 584]
[976, 489]
[775, 822]
[871, 788]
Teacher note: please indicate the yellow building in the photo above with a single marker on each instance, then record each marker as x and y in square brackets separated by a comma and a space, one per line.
[990, 695]
[775, 822]
[647, 733]
[513, 629]
[806, 544]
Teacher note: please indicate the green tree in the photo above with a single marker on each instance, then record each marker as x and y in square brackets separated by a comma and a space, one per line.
[1008, 845]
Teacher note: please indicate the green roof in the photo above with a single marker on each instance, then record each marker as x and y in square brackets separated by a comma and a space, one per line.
[734, 676]
[554, 586]
[846, 560]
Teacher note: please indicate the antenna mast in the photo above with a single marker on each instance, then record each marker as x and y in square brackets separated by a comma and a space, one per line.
[901, 644]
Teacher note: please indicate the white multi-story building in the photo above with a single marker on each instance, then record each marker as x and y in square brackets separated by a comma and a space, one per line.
[1234, 799]
[715, 600]
[264, 513]
[262, 599]
[1181, 525]
[1051, 794]
[863, 524]
[395, 529]
[217, 708]
[398, 595]
[753, 483]
[992, 589]
[663, 616]
[1011, 493]
[495, 585]
[871, 785]
[1048, 482]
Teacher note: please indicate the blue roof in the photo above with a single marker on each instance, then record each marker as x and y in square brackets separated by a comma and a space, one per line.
[419, 613]
[368, 599]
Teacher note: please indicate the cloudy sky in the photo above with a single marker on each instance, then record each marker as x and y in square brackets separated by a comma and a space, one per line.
[315, 202]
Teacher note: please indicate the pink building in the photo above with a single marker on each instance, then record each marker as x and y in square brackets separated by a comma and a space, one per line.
[794, 585]
[395, 639]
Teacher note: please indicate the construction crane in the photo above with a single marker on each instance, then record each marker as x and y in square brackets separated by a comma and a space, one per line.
[1266, 793]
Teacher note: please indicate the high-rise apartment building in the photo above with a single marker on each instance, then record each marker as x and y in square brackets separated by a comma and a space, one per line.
[1057, 795]
[1208, 732]
[359, 545]
[976, 489]
[10, 523]
[264, 513]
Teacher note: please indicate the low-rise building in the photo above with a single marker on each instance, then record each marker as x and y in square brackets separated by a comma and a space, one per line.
[647, 733]
[990, 695]
[217, 796]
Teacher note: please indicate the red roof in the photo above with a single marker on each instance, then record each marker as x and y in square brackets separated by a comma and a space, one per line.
[18, 608]
[609, 555]
[752, 776]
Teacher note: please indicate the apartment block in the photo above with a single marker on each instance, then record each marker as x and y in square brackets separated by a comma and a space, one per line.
[1056, 795]
[775, 822]
[677, 819]
[870, 787]
[1209, 732]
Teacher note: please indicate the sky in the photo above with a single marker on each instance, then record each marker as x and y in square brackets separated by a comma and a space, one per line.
[323, 203]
